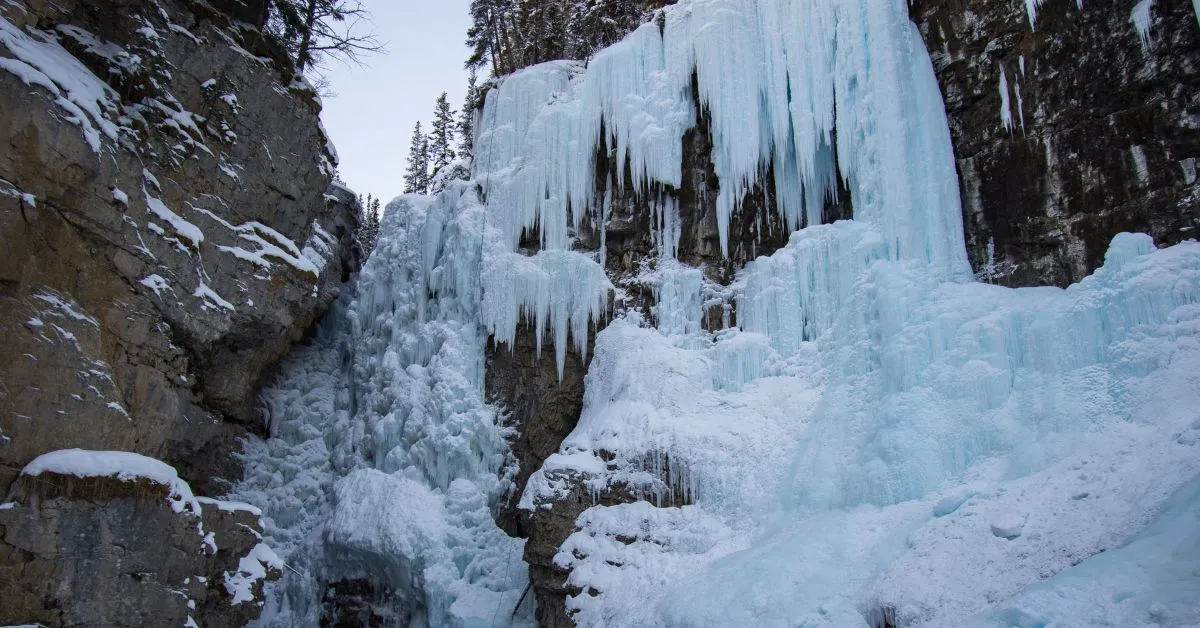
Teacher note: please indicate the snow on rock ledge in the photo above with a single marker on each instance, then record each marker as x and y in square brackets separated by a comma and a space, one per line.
[122, 465]
[196, 558]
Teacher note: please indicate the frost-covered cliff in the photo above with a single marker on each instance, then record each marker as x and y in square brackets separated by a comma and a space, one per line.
[735, 242]
[167, 237]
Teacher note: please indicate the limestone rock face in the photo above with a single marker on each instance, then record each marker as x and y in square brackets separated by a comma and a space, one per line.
[153, 274]
[542, 409]
[1101, 135]
[143, 563]
[169, 232]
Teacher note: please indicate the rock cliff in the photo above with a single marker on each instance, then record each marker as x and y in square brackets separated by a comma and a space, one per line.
[1070, 124]
[168, 235]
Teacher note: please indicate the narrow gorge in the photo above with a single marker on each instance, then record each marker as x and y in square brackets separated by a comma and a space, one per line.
[771, 313]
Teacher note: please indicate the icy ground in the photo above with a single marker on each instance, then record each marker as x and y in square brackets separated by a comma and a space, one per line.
[878, 436]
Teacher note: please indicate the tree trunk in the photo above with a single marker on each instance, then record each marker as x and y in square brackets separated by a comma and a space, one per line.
[303, 57]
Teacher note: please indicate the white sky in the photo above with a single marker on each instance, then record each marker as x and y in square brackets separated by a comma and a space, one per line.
[372, 115]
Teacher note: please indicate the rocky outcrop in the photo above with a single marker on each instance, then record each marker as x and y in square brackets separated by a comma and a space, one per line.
[1069, 130]
[357, 603]
[151, 557]
[168, 236]
[541, 408]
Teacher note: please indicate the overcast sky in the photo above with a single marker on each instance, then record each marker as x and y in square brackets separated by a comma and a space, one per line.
[371, 117]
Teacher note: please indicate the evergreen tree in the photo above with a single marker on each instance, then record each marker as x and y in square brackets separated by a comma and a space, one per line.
[416, 178]
[601, 23]
[372, 223]
[441, 135]
[512, 34]
[490, 35]
[466, 118]
[543, 31]
[368, 224]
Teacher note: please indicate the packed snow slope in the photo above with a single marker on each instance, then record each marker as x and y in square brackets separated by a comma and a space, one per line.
[878, 436]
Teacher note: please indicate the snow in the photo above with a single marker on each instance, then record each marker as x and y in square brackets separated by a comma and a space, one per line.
[39, 60]
[156, 283]
[252, 569]
[176, 28]
[182, 228]
[64, 307]
[269, 245]
[1149, 581]
[379, 516]
[209, 296]
[151, 179]
[123, 465]
[114, 54]
[1018, 415]
[230, 506]
[120, 196]
[1009, 526]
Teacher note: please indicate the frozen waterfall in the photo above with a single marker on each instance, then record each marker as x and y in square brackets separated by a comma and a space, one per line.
[877, 434]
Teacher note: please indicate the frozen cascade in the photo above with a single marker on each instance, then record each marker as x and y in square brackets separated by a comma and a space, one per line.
[776, 86]
[384, 461]
[874, 417]
[290, 476]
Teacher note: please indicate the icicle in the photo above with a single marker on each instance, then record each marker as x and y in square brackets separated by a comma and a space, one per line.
[1006, 117]
[1141, 19]
[777, 78]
